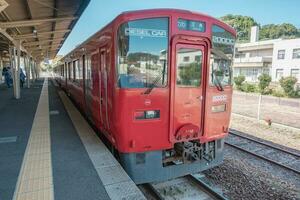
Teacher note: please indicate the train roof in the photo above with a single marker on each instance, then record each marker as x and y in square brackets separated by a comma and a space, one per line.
[138, 14]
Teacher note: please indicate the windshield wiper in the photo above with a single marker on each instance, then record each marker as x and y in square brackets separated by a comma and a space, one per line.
[153, 84]
[218, 83]
[157, 79]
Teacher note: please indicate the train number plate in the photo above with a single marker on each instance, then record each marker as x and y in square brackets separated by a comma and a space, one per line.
[219, 98]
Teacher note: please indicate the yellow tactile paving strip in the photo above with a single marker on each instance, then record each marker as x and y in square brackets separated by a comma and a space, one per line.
[35, 180]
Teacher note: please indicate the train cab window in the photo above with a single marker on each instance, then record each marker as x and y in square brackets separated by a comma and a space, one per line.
[142, 53]
[221, 57]
[188, 73]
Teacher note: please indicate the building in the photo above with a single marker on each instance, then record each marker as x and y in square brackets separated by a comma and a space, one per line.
[286, 59]
[279, 57]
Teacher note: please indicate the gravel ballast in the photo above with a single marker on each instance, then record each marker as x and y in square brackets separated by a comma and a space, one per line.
[240, 178]
[281, 135]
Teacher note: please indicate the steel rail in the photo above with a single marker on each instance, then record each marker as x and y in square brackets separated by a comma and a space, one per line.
[207, 189]
[201, 184]
[263, 157]
[153, 191]
[236, 133]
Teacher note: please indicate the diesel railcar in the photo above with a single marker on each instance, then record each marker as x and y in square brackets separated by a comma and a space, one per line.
[158, 85]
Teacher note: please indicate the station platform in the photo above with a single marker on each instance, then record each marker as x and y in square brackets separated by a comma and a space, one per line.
[49, 151]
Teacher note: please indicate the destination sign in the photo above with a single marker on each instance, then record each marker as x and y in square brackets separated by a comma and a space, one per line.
[190, 25]
[141, 32]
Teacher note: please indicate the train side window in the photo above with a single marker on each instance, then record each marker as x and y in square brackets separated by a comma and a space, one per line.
[77, 70]
[70, 71]
[74, 70]
[65, 70]
[88, 71]
[189, 72]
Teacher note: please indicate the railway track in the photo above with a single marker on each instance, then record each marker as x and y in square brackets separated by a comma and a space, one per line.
[273, 154]
[184, 188]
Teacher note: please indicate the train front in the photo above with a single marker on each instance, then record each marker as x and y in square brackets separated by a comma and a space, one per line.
[174, 94]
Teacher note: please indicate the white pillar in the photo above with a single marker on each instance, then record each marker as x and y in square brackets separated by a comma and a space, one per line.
[16, 71]
[37, 70]
[27, 69]
[1, 68]
[32, 69]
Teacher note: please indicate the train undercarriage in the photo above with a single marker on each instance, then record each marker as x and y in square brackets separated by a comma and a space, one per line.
[185, 158]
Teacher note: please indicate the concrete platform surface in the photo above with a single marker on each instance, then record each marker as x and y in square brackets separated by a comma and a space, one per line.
[49, 151]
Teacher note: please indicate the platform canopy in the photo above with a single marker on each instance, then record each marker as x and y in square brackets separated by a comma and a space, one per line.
[41, 26]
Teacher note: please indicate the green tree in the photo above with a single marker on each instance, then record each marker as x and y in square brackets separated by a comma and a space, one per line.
[264, 82]
[288, 85]
[242, 24]
[238, 81]
[274, 31]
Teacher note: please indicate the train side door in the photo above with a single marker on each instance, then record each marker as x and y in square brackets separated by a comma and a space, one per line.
[88, 85]
[103, 90]
[187, 98]
[95, 89]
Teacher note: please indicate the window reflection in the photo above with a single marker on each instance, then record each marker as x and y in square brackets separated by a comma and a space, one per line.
[221, 56]
[142, 53]
[189, 65]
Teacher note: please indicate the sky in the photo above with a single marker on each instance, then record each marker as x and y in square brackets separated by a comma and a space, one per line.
[101, 12]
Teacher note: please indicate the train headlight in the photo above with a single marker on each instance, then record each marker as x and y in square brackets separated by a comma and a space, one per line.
[218, 108]
[150, 114]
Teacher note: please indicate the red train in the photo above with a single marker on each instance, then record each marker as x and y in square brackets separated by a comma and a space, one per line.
[158, 85]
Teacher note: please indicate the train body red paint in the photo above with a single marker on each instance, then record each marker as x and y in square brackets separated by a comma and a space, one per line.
[157, 84]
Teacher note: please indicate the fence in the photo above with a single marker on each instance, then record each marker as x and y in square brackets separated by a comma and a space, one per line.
[280, 110]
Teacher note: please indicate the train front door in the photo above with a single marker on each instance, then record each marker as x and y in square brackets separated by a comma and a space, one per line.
[188, 91]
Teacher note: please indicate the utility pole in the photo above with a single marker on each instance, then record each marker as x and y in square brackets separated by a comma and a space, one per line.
[258, 107]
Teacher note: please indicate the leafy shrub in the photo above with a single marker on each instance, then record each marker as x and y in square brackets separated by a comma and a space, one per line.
[238, 81]
[264, 82]
[247, 87]
[288, 85]
[267, 91]
[278, 93]
[298, 90]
